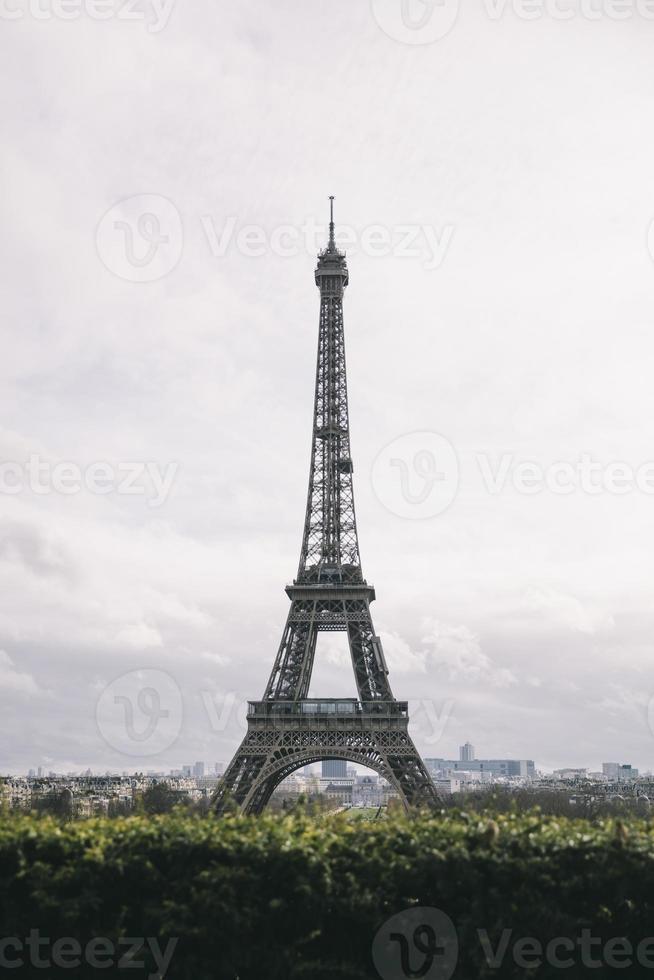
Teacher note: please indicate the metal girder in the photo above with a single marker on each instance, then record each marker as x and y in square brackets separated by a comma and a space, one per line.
[273, 750]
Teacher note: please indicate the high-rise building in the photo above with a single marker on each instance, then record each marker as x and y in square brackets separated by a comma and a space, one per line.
[466, 753]
[334, 769]
[219, 768]
[619, 771]
[497, 767]
[198, 770]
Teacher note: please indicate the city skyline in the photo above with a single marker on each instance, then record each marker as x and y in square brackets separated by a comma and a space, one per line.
[165, 768]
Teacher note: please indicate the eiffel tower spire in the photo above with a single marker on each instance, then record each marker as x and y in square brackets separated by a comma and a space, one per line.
[330, 547]
[332, 243]
[287, 729]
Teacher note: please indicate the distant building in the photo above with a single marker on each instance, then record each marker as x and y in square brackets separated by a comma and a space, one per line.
[311, 783]
[293, 785]
[207, 784]
[334, 769]
[505, 768]
[619, 772]
[466, 752]
[339, 792]
[87, 794]
[436, 767]
[448, 785]
[219, 768]
[366, 791]
[15, 792]
[198, 770]
[570, 773]
[499, 767]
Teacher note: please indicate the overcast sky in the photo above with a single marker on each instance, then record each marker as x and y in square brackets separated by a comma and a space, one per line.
[494, 178]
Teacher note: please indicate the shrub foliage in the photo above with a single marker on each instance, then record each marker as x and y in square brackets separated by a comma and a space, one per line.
[284, 898]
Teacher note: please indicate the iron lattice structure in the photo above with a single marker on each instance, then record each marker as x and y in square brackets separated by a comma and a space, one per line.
[286, 729]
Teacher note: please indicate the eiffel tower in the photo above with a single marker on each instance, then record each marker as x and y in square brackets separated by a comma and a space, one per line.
[287, 729]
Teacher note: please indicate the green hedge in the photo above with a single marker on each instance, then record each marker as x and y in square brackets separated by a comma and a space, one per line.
[280, 899]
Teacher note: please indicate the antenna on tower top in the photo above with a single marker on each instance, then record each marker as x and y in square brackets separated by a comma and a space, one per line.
[331, 221]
